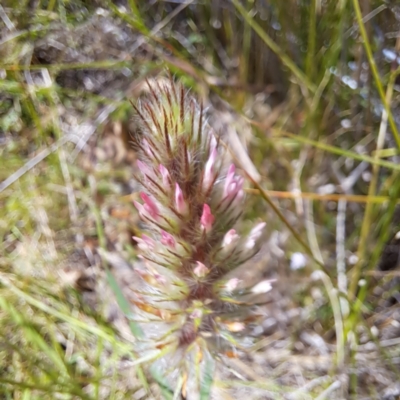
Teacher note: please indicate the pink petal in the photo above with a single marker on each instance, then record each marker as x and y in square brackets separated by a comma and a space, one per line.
[263, 286]
[149, 205]
[139, 207]
[235, 326]
[230, 174]
[160, 279]
[165, 175]
[147, 148]
[207, 219]
[230, 237]
[144, 243]
[137, 239]
[144, 169]
[196, 314]
[167, 239]
[149, 241]
[213, 143]
[181, 205]
[201, 270]
[232, 284]
[255, 234]
[233, 184]
[209, 173]
[257, 230]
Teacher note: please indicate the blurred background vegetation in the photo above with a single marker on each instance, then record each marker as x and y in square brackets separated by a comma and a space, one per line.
[306, 95]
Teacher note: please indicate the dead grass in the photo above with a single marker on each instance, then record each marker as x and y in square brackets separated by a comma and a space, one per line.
[306, 96]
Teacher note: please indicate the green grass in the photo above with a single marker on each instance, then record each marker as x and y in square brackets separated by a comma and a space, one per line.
[65, 175]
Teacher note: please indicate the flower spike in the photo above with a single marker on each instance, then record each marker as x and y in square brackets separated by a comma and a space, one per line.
[191, 201]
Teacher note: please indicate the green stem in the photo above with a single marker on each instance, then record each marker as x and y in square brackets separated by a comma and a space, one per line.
[375, 72]
[367, 220]
[310, 62]
[275, 48]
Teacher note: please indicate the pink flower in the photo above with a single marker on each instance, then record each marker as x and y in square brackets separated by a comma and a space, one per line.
[165, 176]
[263, 287]
[255, 234]
[196, 314]
[232, 284]
[235, 326]
[192, 201]
[209, 173]
[201, 270]
[149, 241]
[147, 149]
[231, 173]
[160, 279]
[144, 169]
[230, 237]
[149, 205]
[145, 242]
[180, 202]
[207, 219]
[233, 184]
[167, 240]
[213, 143]
[139, 207]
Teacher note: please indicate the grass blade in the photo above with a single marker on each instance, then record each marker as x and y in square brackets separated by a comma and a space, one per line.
[208, 379]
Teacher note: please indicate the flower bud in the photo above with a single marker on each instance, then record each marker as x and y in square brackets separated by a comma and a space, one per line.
[145, 242]
[180, 203]
[209, 173]
[166, 179]
[235, 326]
[201, 270]
[143, 168]
[263, 287]
[231, 237]
[207, 219]
[254, 235]
[167, 240]
[233, 185]
[147, 149]
[150, 206]
[232, 284]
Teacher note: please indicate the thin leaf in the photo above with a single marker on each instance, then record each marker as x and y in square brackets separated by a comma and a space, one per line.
[121, 299]
[166, 390]
[178, 388]
[208, 379]
[275, 47]
[375, 72]
[337, 150]
[124, 304]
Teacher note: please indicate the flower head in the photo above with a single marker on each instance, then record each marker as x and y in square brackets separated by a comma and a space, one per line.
[191, 201]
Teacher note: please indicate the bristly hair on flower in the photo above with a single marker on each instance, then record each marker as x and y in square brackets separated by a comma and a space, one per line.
[191, 202]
